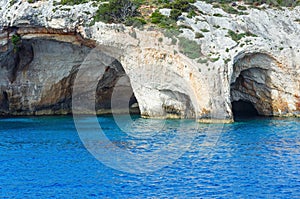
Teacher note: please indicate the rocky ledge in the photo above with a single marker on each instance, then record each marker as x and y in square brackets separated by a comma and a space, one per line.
[216, 61]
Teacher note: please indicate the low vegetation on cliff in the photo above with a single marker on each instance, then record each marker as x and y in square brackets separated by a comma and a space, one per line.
[171, 16]
[140, 12]
[132, 12]
[285, 3]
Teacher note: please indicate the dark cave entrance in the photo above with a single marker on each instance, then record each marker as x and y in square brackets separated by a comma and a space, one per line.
[251, 86]
[244, 95]
[114, 92]
[243, 109]
[36, 56]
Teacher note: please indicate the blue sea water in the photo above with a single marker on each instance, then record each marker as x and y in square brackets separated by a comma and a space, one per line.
[43, 157]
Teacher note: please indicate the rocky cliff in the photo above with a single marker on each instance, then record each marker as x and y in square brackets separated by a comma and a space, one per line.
[216, 59]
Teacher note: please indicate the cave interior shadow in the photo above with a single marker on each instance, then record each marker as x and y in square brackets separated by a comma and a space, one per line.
[244, 110]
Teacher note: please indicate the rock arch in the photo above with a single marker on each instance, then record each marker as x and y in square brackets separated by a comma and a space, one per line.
[41, 73]
[165, 84]
[260, 80]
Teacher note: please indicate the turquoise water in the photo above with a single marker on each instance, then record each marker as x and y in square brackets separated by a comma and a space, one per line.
[43, 157]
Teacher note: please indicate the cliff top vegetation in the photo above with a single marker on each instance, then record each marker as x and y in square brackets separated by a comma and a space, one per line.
[139, 12]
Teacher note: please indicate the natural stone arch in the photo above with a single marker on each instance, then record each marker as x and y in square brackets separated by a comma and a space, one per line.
[259, 79]
[165, 83]
[111, 78]
[42, 72]
[161, 87]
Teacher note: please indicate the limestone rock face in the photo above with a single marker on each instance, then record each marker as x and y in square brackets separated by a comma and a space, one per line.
[253, 58]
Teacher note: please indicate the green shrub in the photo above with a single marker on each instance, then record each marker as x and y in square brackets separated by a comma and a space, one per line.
[73, 2]
[242, 8]
[172, 34]
[231, 10]
[216, 6]
[218, 15]
[156, 17]
[204, 30]
[249, 34]
[202, 61]
[226, 61]
[236, 37]
[214, 59]
[199, 35]
[135, 22]
[183, 5]
[66, 9]
[12, 2]
[281, 3]
[162, 21]
[185, 26]
[189, 48]
[191, 14]
[116, 11]
[179, 6]
[255, 3]
[175, 13]
[125, 11]
[16, 41]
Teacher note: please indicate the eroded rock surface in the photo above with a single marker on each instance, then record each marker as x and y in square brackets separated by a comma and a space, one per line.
[261, 67]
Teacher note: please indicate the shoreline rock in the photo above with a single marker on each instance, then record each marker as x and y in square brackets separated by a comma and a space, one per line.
[252, 57]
